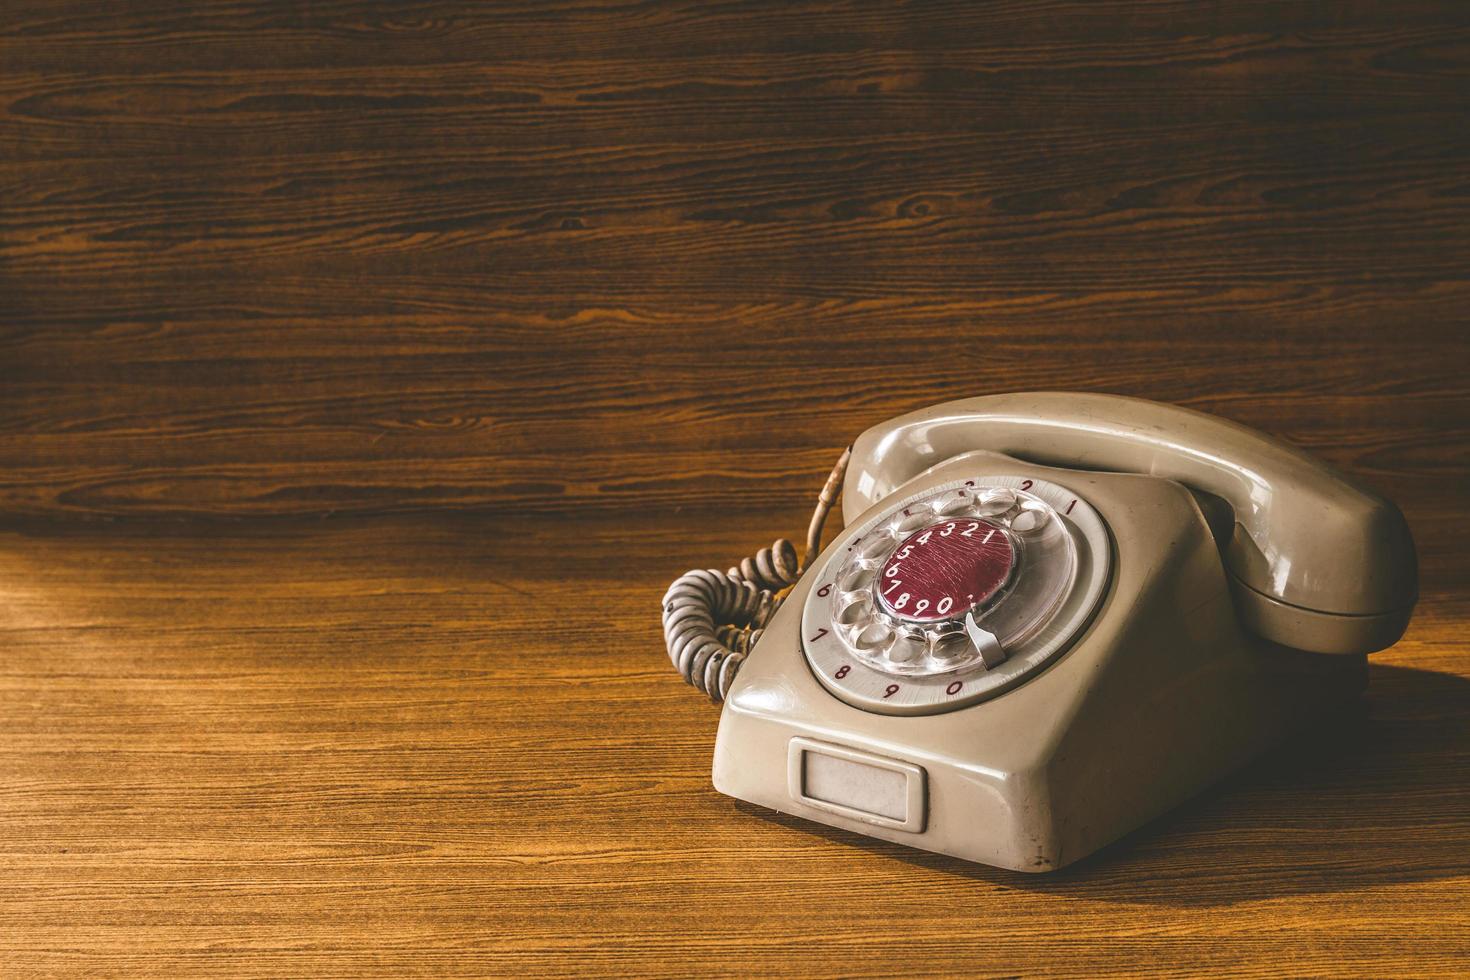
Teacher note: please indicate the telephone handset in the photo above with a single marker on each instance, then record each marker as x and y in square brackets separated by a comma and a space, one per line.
[1049, 618]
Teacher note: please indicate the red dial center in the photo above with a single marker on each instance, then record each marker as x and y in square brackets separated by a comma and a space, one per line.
[944, 570]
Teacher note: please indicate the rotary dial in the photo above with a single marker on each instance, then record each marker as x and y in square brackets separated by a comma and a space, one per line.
[953, 594]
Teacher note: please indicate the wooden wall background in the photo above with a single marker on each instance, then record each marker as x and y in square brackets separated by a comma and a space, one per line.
[561, 297]
[269, 259]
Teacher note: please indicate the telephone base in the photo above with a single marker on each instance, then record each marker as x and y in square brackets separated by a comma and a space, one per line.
[1041, 817]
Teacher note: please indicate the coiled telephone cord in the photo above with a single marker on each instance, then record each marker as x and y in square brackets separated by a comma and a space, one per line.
[713, 619]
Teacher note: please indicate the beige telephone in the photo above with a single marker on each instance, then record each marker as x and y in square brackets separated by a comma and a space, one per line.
[1050, 618]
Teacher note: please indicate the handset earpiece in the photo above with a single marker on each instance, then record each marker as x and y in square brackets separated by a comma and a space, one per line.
[1315, 561]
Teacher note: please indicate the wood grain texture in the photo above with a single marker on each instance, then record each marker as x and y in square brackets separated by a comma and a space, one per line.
[541, 303]
[359, 747]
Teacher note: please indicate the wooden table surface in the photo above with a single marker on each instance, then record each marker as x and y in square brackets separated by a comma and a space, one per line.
[367, 371]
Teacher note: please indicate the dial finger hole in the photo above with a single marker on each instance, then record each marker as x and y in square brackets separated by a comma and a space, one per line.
[874, 636]
[996, 501]
[858, 612]
[855, 578]
[1031, 518]
[906, 649]
[953, 503]
[949, 647]
[909, 523]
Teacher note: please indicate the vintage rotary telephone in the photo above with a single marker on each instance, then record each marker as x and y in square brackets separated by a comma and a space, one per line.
[1050, 618]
